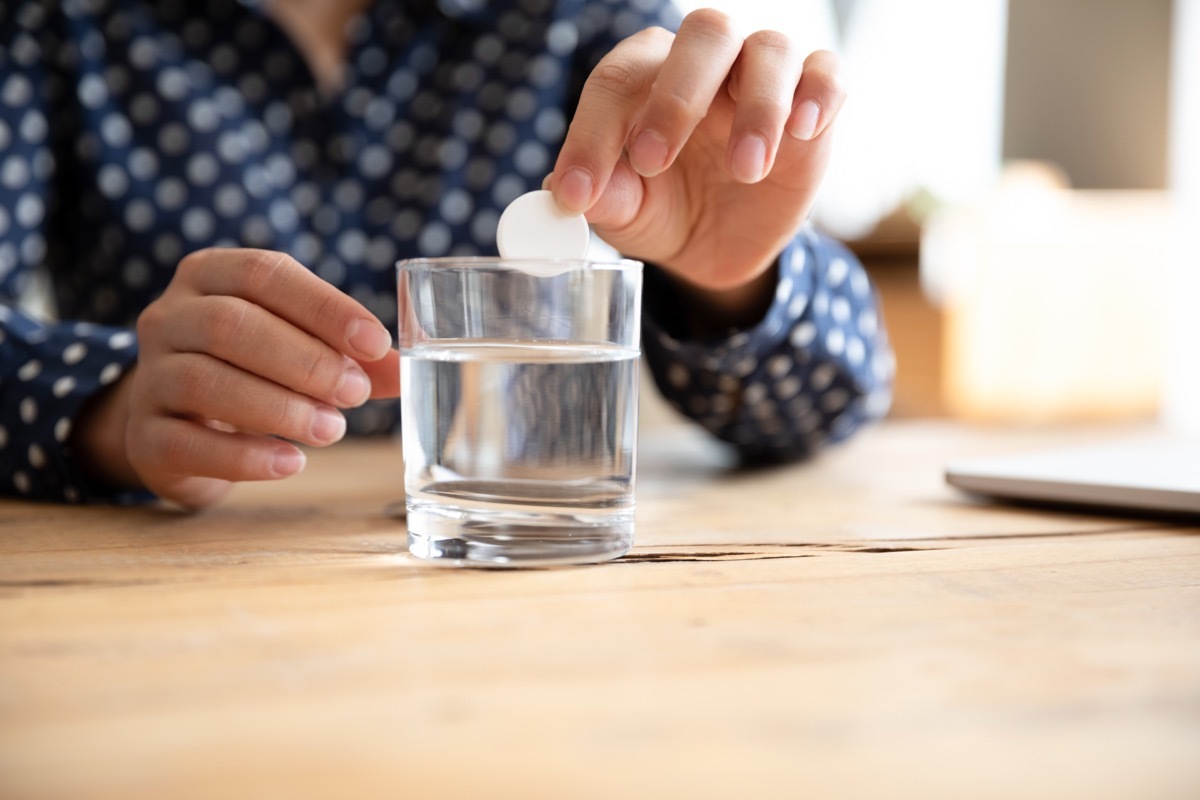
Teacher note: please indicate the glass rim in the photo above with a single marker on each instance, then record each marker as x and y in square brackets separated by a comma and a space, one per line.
[501, 263]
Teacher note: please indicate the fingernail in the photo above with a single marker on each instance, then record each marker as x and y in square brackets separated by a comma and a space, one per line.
[804, 120]
[649, 154]
[328, 425]
[750, 159]
[369, 338]
[575, 190]
[287, 461]
[354, 388]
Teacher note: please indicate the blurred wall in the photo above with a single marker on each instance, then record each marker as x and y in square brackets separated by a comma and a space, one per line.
[1086, 86]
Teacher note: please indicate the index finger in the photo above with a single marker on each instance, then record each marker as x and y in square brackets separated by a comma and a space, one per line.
[701, 57]
[612, 96]
[287, 289]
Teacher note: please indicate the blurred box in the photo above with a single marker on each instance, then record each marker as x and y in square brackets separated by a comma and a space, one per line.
[1054, 300]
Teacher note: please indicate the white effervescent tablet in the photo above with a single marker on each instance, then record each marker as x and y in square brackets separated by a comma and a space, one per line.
[534, 227]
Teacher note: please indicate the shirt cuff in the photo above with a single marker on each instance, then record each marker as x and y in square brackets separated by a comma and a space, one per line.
[58, 369]
[811, 371]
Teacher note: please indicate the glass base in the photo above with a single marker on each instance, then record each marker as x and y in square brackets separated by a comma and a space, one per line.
[471, 538]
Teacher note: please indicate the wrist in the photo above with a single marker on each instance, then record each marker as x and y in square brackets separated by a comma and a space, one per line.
[709, 312]
[98, 437]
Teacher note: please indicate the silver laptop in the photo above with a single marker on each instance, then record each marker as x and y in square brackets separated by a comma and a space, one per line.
[1159, 475]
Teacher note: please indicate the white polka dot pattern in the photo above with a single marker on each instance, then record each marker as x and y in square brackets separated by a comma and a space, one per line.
[198, 126]
[811, 373]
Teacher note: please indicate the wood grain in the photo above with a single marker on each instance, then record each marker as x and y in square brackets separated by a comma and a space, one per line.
[846, 628]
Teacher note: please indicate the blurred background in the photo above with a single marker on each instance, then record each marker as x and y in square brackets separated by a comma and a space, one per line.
[1021, 177]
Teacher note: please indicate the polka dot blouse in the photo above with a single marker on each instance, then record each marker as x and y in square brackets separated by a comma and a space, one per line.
[135, 131]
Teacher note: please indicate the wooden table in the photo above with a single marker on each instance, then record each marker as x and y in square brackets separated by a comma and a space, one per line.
[845, 628]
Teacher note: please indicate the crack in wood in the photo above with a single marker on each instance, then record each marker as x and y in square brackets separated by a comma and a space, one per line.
[751, 555]
[671, 558]
[68, 583]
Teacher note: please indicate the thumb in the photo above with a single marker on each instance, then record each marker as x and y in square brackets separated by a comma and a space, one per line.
[384, 374]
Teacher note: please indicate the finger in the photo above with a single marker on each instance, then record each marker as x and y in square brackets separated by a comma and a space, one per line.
[384, 374]
[197, 385]
[611, 98]
[767, 72]
[168, 447]
[248, 336]
[819, 97]
[283, 286]
[701, 57]
[191, 492]
[618, 212]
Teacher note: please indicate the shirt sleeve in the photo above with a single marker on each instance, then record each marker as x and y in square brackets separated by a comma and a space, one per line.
[48, 370]
[602, 26]
[812, 372]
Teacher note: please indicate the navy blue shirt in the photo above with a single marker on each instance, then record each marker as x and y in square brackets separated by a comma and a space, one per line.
[133, 132]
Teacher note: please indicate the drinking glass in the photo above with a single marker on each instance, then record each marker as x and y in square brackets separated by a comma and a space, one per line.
[519, 386]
